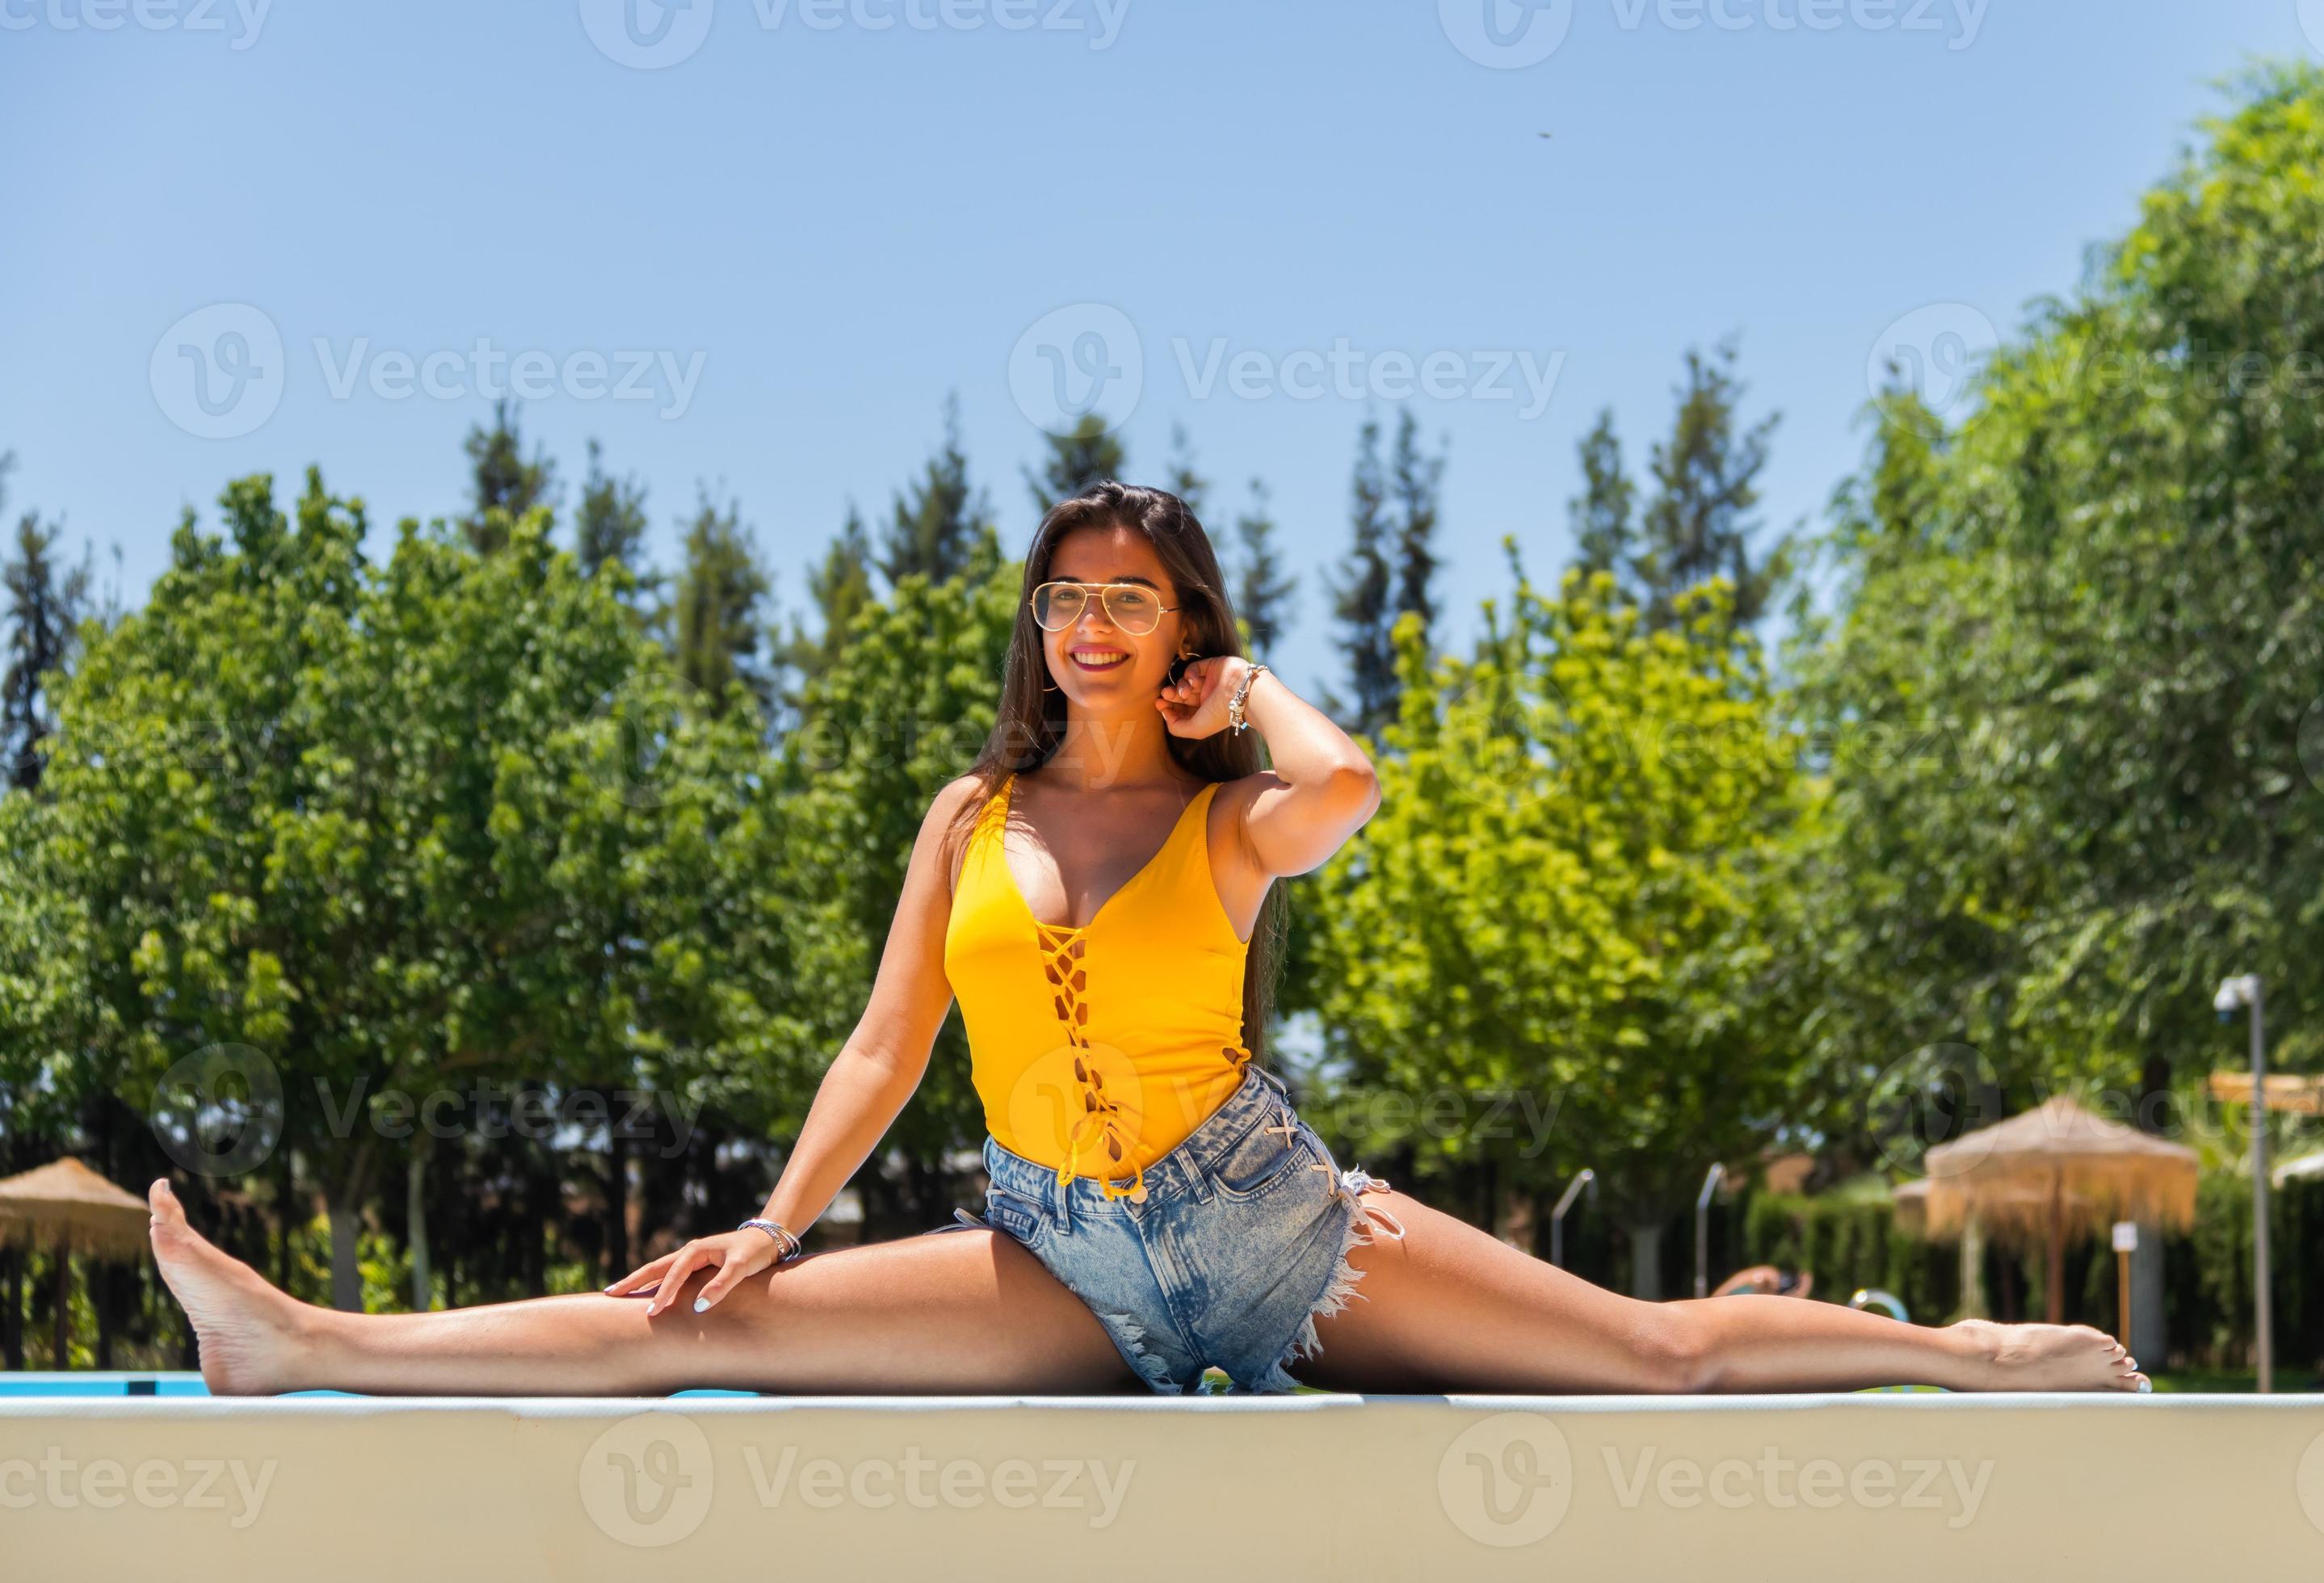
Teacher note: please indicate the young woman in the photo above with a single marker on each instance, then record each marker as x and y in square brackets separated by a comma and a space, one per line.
[1097, 890]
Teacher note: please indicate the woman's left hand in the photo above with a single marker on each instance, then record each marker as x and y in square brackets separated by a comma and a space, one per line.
[1196, 704]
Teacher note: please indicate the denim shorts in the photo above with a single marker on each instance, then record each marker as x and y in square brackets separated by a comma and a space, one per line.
[1241, 1245]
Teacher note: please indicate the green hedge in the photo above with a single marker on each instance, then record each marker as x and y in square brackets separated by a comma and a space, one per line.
[1848, 1245]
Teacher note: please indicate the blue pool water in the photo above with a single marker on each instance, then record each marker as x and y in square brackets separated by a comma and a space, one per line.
[14, 1387]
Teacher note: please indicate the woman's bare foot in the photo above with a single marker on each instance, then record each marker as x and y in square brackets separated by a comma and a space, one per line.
[2050, 1357]
[247, 1330]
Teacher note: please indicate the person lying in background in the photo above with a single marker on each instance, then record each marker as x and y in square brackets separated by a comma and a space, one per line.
[1768, 1281]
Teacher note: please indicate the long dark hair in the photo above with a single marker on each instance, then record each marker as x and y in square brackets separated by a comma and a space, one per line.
[1028, 728]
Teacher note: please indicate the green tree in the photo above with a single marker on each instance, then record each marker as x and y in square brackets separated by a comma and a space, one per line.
[1185, 482]
[503, 483]
[1263, 592]
[1603, 516]
[1088, 455]
[46, 605]
[1550, 936]
[2071, 685]
[1415, 480]
[1362, 595]
[936, 524]
[609, 528]
[902, 710]
[718, 616]
[348, 816]
[1699, 523]
[841, 588]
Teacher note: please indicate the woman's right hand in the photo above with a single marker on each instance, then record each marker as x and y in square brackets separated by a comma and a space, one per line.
[737, 1256]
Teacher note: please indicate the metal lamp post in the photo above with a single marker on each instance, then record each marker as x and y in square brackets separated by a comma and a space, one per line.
[1589, 1179]
[2244, 992]
[1710, 1180]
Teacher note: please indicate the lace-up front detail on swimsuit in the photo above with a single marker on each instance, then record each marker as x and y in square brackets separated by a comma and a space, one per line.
[1097, 1050]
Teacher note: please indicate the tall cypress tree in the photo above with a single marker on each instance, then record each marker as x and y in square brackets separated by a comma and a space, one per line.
[1262, 592]
[1362, 592]
[720, 628]
[46, 604]
[935, 523]
[840, 586]
[1415, 480]
[1699, 523]
[1087, 456]
[1186, 482]
[503, 483]
[1605, 532]
[610, 524]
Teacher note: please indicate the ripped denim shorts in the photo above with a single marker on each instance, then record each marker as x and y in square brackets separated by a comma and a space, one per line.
[1240, 1246]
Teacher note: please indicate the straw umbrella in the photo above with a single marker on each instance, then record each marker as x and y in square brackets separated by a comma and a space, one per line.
[1911, 1199]
[65, 1207]
[2054, 1171]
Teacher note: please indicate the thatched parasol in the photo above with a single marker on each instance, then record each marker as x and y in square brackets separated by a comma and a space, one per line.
[1911, 1200]
[66, 1205]
[2057, 1170]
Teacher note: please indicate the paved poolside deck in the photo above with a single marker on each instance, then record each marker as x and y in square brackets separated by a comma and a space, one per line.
[1217, 1490]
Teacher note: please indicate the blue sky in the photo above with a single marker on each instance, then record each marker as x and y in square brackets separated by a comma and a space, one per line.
[791, 235]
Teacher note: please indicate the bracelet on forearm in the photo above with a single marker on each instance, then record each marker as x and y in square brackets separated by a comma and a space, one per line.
[785, 1238]
[1235, 704]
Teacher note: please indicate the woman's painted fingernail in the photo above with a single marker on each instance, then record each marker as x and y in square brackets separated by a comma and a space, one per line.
[702, 1305]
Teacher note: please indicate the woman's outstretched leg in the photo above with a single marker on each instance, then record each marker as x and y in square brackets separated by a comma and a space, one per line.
[968, 1313]
[1450, 1308]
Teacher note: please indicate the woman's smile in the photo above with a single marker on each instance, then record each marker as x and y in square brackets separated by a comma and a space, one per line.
[1097, 656]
